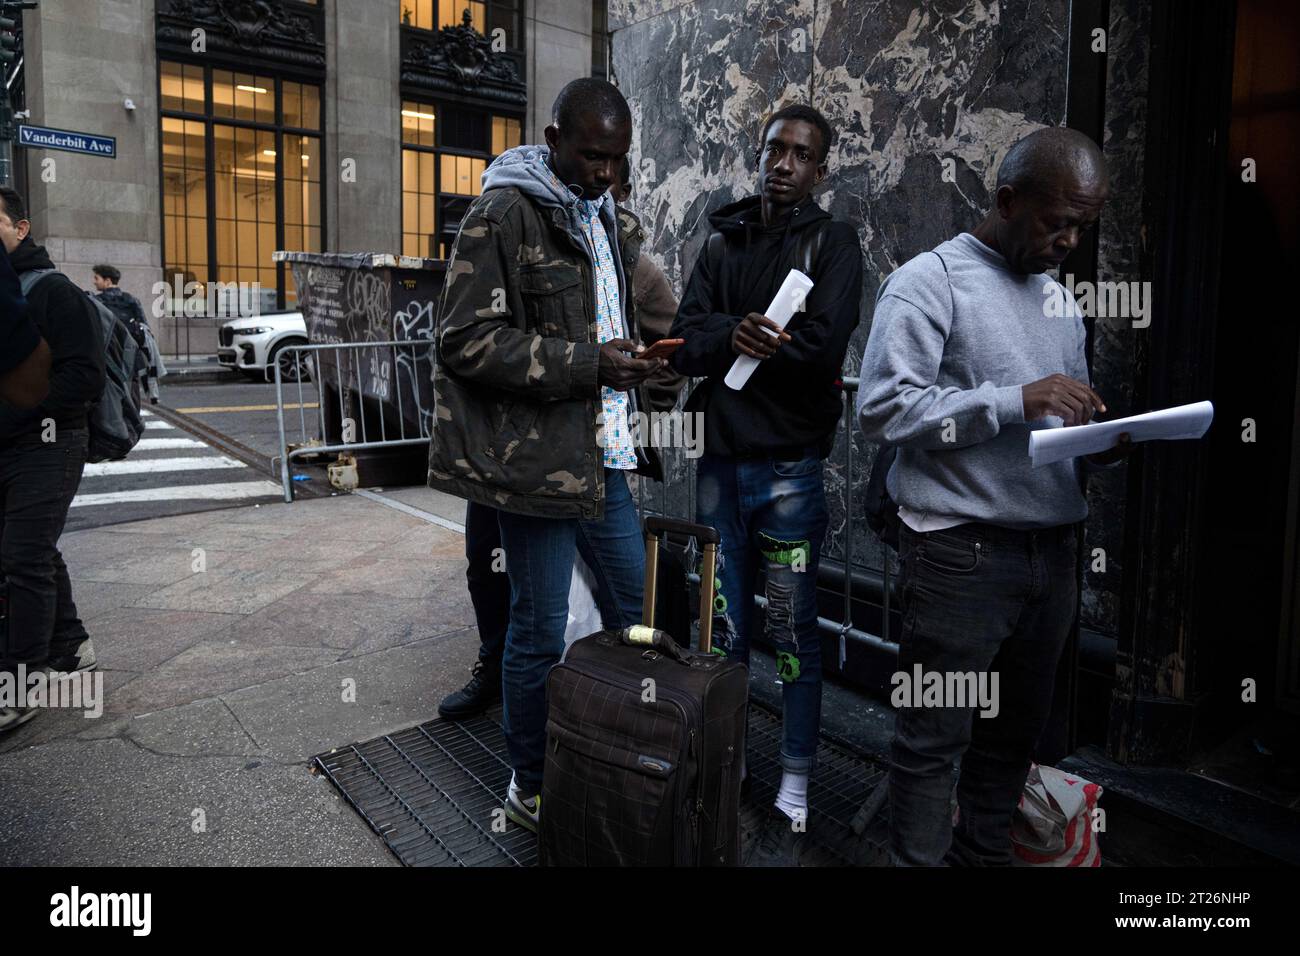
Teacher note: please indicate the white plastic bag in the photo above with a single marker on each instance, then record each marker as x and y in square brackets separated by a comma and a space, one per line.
[584, 615]
[1053, 825]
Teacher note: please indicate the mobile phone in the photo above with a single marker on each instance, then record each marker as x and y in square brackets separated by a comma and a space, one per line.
[661, 349]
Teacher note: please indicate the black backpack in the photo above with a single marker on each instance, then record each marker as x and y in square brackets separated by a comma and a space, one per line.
[114, 420]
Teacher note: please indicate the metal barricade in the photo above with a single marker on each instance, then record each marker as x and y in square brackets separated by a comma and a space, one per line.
[376, 397]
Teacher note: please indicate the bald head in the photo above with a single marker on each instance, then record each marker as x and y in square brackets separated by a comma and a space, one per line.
[1050, 158]
[1051, 187]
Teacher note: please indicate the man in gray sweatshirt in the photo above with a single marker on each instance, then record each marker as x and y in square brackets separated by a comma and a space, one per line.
[972, 347]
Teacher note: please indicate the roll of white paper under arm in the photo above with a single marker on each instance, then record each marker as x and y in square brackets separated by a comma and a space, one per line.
[789, 299]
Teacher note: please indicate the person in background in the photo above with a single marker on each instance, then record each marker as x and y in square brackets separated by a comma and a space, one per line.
[652, 295]
[127, 308]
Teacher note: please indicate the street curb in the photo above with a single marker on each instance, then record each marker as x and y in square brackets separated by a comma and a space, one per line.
[201, 376]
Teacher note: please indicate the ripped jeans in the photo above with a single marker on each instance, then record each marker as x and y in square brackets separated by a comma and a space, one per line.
[772, 517]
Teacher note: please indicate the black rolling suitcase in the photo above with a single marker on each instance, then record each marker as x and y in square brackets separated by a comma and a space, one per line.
[644, 740]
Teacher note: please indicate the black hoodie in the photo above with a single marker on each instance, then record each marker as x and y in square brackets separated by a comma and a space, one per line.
[67, 319]
[793, 400]
[18, 337]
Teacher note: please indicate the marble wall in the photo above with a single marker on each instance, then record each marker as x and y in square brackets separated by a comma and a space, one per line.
[908, 86]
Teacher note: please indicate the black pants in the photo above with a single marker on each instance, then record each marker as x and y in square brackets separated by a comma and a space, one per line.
[38, 481]
[982, 601]
[489, 590]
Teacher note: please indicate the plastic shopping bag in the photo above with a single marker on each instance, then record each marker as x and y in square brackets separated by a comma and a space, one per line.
[1053, 825]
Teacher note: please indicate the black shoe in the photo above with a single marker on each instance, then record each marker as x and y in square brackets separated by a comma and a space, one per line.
[482, 691]
[778, 843]
[80, 658]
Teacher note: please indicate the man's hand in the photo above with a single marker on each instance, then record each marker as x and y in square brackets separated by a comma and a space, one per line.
[622, 372]
[748, 338]
[1062, 396]
[1117, 452]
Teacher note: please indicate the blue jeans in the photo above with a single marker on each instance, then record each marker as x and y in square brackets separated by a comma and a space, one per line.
[771, 516]
[539, 562]
[986, 600]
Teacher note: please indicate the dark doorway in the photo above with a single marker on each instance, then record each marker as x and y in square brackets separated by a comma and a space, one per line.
[1253, 489]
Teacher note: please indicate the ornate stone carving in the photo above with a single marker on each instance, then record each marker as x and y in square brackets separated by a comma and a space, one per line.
[263, 28]
[459, 59]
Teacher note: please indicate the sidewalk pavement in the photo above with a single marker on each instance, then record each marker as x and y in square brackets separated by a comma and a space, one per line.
[220, 684]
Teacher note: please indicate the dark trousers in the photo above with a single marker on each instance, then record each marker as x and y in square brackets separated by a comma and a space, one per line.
[975, 599]
[38, 481]
[489, 590]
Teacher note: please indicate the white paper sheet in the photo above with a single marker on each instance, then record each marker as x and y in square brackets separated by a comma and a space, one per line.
[1049, 445]
[792, 294]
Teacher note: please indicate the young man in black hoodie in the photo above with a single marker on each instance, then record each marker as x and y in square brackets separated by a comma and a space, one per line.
[42, 453]
[760, 479]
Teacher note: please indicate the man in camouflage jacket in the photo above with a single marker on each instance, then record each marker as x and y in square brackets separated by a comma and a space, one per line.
[535, 392]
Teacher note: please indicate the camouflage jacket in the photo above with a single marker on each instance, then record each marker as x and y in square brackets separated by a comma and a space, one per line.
[515, 393]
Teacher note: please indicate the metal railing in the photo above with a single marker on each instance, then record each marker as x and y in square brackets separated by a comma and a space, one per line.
[376, 399]
[843, 630]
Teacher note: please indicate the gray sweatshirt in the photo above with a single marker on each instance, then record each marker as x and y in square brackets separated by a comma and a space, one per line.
[941, 378]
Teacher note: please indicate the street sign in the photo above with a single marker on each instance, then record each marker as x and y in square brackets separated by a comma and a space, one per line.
[42, 137]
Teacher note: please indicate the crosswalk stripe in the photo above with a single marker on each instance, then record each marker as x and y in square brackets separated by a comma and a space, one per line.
[227, 491]
[141, 466]
[158, 423]
[148, 444]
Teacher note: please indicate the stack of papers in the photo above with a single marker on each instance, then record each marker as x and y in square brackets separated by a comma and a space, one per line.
[1049, 445]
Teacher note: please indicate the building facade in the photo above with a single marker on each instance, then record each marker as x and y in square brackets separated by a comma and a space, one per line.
[247, 126]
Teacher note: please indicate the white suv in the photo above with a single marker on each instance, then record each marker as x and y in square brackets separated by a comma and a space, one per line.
[252, 344]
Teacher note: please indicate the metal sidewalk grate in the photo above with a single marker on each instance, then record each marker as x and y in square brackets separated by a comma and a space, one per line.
[430, 792]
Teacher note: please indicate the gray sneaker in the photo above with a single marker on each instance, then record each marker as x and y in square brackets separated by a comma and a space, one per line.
[12, 718]
[777, 843]
[81, 659]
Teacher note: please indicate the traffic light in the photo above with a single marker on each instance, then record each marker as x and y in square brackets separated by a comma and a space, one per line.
[9, 42]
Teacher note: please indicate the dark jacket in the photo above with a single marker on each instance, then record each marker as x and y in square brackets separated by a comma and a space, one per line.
[127, 308]
[515, 392]
[66, 318]
[793, 399]
[18, 336]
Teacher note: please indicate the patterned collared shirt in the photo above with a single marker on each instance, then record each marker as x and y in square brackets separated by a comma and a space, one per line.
[619, 449]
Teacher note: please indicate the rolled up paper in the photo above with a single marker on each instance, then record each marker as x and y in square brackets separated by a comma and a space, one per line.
[788, 300]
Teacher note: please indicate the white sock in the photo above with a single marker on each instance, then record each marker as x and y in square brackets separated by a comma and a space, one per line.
[792, 798]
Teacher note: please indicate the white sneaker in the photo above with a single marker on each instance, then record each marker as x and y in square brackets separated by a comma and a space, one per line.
[525, 811]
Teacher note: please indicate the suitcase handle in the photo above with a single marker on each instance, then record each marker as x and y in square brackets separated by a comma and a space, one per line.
[703, 533]
[710, 539]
